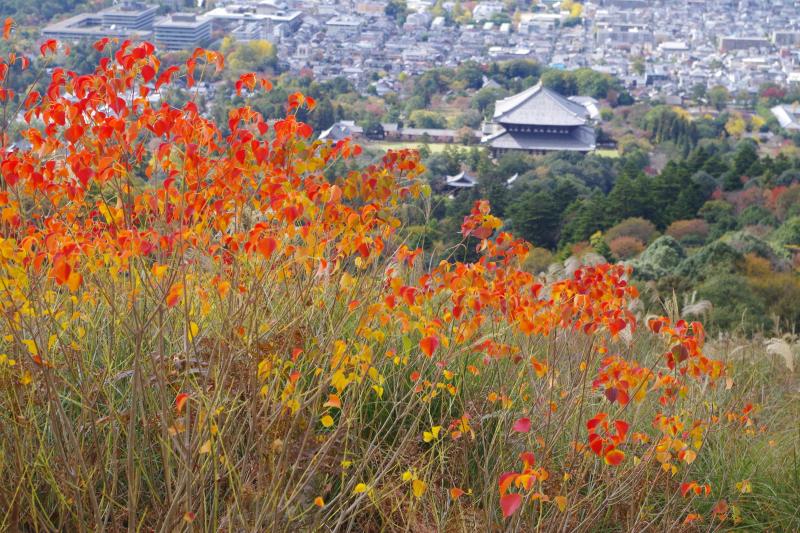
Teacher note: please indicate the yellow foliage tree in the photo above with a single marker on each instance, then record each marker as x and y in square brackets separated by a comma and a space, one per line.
[735, 125]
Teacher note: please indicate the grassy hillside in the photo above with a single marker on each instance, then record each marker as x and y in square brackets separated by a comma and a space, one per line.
[208, 331]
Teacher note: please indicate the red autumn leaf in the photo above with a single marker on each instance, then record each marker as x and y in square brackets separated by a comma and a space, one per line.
[73, 133]
[148, 73]
[429, 344]
[304, 130]
[614, 457]
[523, 425]
[50, 44]
[616, 325]
[166, 76]
[510, 503]
[481, 232]
[180, 401]
[528, 458]
[596, 443]
[622, 427]
[101, 44]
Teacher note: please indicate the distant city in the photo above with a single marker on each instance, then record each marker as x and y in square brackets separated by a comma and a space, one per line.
[657, 48]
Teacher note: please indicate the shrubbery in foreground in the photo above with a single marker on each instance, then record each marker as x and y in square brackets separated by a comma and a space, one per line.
[201, 331]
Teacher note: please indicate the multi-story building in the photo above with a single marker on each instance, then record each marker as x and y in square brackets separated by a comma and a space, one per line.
[726, 44]
[182, 31]
[129, 20]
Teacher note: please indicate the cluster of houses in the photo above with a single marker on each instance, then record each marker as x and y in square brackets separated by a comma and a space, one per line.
[673, 47]
[657, 47]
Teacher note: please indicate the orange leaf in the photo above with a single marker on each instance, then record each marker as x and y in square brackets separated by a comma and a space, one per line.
[180, 401]
[333, 401]
[429, 344]
[266, 246]
[561, 502]
[7, 27]
[61, 271]
[456, 493]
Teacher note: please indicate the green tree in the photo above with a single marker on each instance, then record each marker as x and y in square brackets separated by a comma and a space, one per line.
[535, 217]
[718, 96]
[323, 116]
[427, 119]
[397, 10]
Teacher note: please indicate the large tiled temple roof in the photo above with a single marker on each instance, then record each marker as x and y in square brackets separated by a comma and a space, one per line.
[580, 139]
[540, 106]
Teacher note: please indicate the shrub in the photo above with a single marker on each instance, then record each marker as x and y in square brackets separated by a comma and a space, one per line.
[736, 306]
[204, 331]
[720, 216]
[787, 202]
[659, 260]
[636, 227]
[747, 244]
[689, 232]
[788, 234]
[780, 291]
[626, 247]
[710, 261]
[757, 215]
[539, 260]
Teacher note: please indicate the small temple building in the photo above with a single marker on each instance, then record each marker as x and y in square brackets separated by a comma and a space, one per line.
[462, 180]
[539, 120]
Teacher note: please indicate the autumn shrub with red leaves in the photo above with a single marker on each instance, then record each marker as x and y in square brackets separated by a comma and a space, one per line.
[200, 331]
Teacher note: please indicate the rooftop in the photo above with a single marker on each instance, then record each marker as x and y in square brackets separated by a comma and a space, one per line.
[541, 106]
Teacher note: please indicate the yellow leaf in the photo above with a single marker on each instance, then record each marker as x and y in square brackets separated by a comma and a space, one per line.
[346, 463]
[31, 345]
[193, 330]
[206, 447]
[159, 270]
[419, 487]
[26, 378]
[428, 436]
[361, 487]
[407, 475]
[744, 486]
[319, 502]
[327, 421]
[689, 456]
[561, 502]
[378, 390]
[74, 281]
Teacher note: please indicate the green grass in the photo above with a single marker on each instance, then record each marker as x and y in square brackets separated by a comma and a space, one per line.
[435, 148]
[608, 153]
